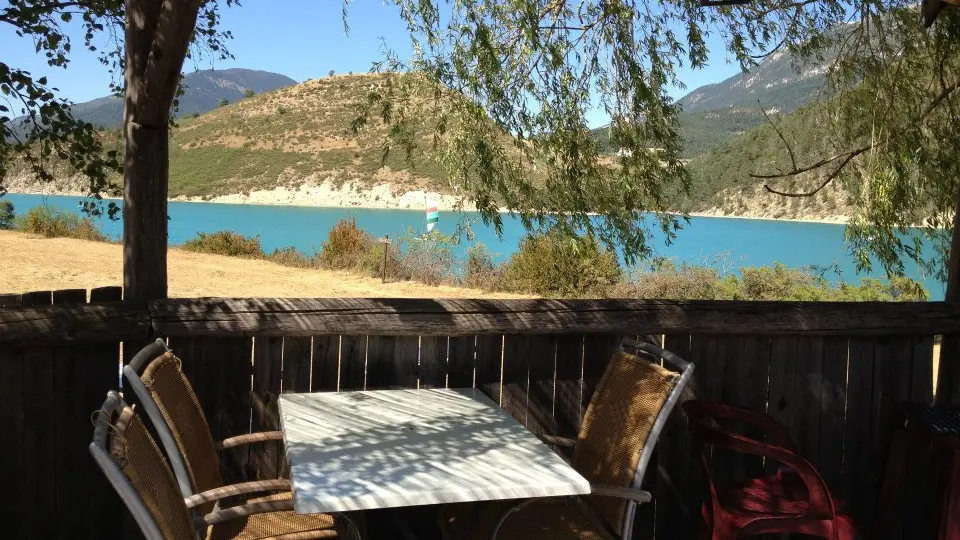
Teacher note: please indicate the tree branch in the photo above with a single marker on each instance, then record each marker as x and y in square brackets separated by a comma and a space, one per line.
[793, 158]
[720, 3]
[846, 157]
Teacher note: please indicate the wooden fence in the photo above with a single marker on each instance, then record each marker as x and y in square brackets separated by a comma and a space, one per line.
[830, 372]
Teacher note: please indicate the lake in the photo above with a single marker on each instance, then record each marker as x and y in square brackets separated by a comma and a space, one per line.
[740, 242]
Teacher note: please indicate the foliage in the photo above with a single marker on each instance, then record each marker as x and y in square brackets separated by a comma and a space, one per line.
[223, 103]
[50, 129]
[428, 259]
[290, 256]
[775, 282]
[347, 247]
[53, 223]
[7, 215]
[480, 270]
[225, 243]
[248, 93]
[555, 265]
[330, 73]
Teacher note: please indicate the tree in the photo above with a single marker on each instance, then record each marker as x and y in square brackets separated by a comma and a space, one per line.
[157, 35]
[248, 93]
[223, 102]
[330, 73]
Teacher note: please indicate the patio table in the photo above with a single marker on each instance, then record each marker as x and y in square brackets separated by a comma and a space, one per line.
[390, 448]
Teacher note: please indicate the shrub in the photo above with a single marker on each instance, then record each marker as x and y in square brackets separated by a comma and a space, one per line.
[346, 247]
[372, 262]
[7, 215]
[223, 103]
[289, 256]
[248, 93]
[226, 243]
[53, 223]
[677, 283]
[550, 265]
[480, 271]
[429, 259]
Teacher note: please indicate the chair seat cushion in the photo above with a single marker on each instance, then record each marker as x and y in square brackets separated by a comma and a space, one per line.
[553, 519]
[286, 525]
[783, 493]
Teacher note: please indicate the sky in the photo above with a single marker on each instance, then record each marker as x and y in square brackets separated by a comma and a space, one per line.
[302, 39]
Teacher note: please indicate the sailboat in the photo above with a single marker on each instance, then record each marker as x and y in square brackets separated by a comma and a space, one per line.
[433, 216]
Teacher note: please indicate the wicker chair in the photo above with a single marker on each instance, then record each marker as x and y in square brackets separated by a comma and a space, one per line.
[137, 470]
[165, 394]
[616, 440]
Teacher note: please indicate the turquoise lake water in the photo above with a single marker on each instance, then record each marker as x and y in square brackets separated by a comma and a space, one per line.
[741, 242]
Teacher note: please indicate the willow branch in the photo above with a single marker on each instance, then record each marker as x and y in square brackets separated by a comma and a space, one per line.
[845, 157]
[793, 158]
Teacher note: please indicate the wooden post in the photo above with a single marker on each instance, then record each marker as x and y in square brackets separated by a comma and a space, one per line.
[386, 246]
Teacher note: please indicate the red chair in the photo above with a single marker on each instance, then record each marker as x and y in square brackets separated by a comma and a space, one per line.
[794, 500]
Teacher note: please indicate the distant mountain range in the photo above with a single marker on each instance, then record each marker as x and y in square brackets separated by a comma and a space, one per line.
[715, 113]
[203, 92]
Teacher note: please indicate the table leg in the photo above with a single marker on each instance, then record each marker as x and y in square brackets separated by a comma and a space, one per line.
[950, 520]
[892, 478]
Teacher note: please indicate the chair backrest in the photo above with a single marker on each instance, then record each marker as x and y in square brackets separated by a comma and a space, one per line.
[623, 422]
[156, 377]
[137, 470]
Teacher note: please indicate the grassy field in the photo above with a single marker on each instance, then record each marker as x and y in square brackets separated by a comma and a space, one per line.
[64, 263]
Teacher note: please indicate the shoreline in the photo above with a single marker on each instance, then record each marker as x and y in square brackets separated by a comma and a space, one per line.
[378, 198]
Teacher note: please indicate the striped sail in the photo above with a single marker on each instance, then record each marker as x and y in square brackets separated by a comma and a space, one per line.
[433, 215]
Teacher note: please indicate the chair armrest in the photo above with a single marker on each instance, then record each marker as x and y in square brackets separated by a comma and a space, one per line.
[250, 438]
[558, 441]
[236, 489]
[620, 492]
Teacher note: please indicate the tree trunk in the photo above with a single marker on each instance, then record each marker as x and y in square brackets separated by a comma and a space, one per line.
[948, 378]
[157, 35]
[145, 178]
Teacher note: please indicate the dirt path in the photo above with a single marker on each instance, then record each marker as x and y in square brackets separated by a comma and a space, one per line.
[32, 263]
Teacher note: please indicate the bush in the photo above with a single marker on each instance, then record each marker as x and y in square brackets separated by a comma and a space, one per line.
[677, 283]
[347, 247]
[428, 259]
[53, 223]
[7, 215]
[289, 256]
[550, 265]
[248, 93]
[480, 271]
[226, 243]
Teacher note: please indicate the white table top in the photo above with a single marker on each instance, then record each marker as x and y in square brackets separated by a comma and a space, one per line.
[389, 448]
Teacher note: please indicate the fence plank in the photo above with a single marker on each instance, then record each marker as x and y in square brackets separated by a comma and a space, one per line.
[296, 364]
[569, 385]
[450, 317]
[433, 362]
[72, 433]
[833, 406]
[12, 425]
[489, 363]
[267, 361]
[326, 363]
[10, 300]
[38, 472]
[353, 362]
[234, 361]
[460, 363]
[516, 376]
[541, 398]
[856, 443]
[678, 471]
[597, 351]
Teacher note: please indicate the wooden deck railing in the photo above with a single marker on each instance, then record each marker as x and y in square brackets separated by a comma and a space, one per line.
[830, 372]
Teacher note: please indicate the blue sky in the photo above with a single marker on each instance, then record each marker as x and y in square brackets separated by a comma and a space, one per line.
[302, 39]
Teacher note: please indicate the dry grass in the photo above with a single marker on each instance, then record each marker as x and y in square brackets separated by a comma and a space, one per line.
[61, 263]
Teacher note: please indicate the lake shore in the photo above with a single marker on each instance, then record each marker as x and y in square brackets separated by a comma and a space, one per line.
[64, 263]
[384, 196]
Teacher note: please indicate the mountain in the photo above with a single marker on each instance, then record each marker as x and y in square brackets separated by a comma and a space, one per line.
[715, 113]
[203, 91]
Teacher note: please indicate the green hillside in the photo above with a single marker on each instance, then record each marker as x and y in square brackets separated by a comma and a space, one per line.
[286, 137]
